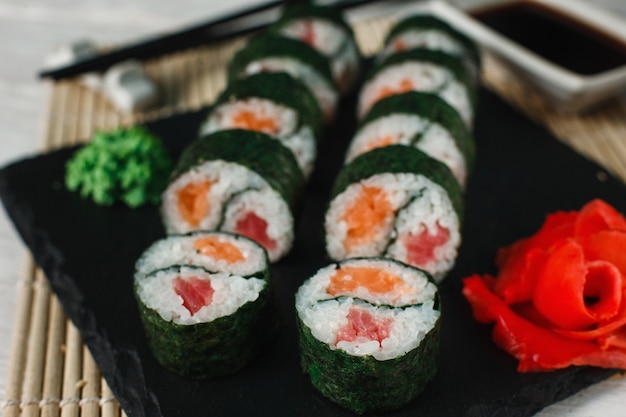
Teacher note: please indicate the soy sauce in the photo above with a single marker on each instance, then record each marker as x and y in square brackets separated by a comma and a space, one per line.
[556, 37]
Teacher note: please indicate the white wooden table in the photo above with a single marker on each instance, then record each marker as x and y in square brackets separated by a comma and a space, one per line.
[30, 29]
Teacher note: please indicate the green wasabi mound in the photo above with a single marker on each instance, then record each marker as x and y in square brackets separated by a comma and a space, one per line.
[128, 165]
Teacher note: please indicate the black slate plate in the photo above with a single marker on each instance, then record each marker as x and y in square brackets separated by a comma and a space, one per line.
[87, 252]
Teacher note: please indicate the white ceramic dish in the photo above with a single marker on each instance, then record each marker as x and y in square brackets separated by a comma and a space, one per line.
[566, 90]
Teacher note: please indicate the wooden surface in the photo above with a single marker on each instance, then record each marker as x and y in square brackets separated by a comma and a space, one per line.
[32, 324]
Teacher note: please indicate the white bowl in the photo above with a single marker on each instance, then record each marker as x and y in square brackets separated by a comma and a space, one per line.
[566, 90]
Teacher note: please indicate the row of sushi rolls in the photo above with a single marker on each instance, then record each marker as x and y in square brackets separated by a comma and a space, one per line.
[368, 323]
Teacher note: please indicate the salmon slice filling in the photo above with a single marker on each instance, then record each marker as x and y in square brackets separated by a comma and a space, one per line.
[421, 247]
[383, 141]
[249, 120]
[255, 227]
[195, 292]
[399, 45]
[363, 326]
[377, 281]
[193, 202]
[308, 33]
[213, 247]
[403, 87]
[367, 216]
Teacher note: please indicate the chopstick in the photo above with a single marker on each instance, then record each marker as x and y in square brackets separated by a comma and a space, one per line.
[213, 30]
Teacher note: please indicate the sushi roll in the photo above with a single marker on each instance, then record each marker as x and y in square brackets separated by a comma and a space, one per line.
[326, 30]
[430, 32]
[422, 120]
[369, 332]
[421, 70]
[239, 181]
[212, 251]
[396, 202]
[275, 104]
[203, 324]
[271, 53]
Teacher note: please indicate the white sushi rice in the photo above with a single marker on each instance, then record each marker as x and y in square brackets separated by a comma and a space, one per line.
[423, 76]
[180, 250]
[438, 143]
[230, 179]
[231, 292]
[325, 94]
[300, 140]
[333, 41]
[433, 39]
[430, 206]
[400, 128]
[403, 129]
[409, 325]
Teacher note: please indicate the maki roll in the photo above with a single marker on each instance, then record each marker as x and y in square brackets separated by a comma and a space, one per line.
[422, 120]
[201, 319]
[421, 70]
[326, 30]
[369, 332]
[271, 53]
[239, 181]
[396, 202]
[275, 104]
[427, 31]
[212, 251]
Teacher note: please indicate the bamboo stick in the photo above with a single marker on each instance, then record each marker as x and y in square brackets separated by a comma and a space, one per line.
[53, 374]
[20, 337]
[35, 356]
[72, 381]
[110, 406]
[90, 398]
[56, 130]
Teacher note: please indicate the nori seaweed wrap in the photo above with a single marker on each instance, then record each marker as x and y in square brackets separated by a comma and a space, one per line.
[397, 202]
[275, 104]
[325, 29]
[239, 181]
[271, 53]
[430, 32]
[202, 324]
[279, 88]
[369, 332]
[421, 70]
[422, 120]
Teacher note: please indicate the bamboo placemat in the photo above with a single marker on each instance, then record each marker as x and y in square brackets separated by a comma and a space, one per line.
[51, 372]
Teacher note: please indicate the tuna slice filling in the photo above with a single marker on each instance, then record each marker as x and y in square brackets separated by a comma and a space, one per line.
[255, 228]
[362, 326]
[195, 292]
